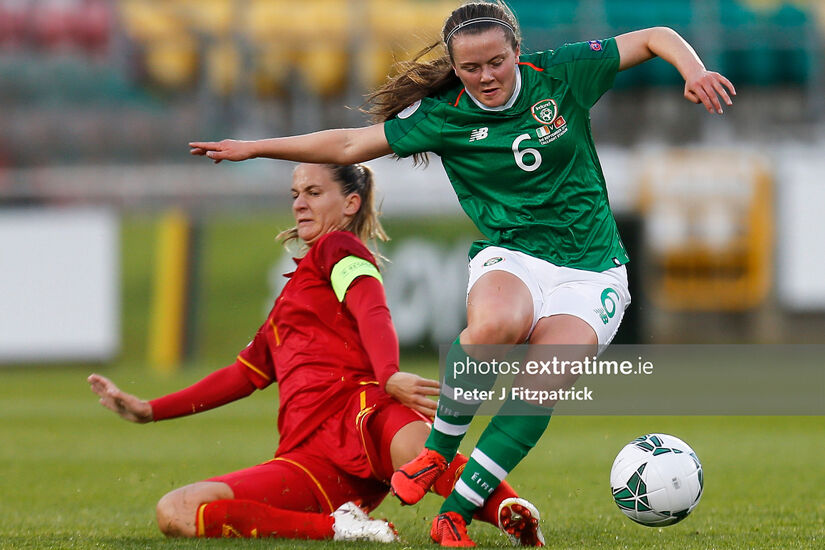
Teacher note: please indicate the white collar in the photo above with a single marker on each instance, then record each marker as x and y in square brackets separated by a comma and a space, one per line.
[510, 102]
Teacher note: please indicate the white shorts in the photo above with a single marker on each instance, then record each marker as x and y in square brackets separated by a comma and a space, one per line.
[597, 298]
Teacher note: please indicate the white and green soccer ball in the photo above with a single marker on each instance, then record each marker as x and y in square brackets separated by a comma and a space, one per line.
[656, 480]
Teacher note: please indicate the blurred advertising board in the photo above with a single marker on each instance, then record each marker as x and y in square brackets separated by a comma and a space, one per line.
[59, 284]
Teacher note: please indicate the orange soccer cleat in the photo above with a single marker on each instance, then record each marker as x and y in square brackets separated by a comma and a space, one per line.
[412, 480]
[450, 529]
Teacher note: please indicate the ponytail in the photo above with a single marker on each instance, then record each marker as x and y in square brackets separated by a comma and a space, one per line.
[358, 179]
[417, 79]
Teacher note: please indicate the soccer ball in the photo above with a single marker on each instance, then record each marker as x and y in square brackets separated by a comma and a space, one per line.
[656, 480]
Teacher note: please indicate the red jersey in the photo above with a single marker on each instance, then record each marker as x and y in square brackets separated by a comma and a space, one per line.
[310, 344]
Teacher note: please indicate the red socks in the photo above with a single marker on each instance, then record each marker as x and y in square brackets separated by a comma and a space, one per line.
[443, 486]
[251, 519]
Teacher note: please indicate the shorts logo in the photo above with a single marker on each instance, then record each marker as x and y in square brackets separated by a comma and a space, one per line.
[493, 261]
[595, 45]
[408, 112]
[479, 134]
[608, 309]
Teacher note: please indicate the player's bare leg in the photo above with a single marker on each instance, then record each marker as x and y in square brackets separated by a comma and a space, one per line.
[177, 510]
[408, 442]
[509, 298]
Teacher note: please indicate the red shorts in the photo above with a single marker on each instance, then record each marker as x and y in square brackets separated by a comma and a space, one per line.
[310, 479]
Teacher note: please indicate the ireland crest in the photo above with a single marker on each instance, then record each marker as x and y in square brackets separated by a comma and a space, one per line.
[545, 111]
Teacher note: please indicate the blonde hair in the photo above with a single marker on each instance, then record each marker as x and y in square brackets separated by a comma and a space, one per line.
[417, 79]
[359, 179]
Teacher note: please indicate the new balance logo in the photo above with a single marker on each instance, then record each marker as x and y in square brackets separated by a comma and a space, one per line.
[479, 134]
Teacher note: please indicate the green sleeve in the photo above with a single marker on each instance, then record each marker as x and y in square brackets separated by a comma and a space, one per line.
[347, 270]
[589, 68]
[416, 129]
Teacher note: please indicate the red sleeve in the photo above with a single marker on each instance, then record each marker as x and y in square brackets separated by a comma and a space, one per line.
[365, 300]
[334, 247]
[257, 359]
[219, 388]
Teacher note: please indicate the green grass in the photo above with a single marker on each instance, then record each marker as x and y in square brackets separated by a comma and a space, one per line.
[73, 475]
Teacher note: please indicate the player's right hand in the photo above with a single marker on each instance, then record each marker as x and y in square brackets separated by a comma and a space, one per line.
[414, 391]
[710, 89]
[128, 406]
[228, 149]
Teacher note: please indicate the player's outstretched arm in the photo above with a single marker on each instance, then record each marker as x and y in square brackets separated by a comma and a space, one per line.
[709, 88]
[128, 406]
[340, 146]
[216, 389]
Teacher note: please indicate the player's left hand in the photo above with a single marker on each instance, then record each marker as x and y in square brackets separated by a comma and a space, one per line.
[128, 406]
[412, 390]
[227, 149]
[710, 89]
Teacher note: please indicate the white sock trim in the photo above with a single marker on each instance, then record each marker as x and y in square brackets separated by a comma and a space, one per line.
[467, 492]
[449, 393]
[489, 464]
[449, 429]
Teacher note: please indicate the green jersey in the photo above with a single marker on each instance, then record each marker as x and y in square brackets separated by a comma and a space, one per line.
[527, 173]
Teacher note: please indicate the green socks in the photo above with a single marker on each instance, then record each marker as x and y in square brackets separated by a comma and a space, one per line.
[455, 410]
[505, 442]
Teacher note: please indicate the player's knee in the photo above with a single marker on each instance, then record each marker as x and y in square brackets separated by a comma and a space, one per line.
[501, 328]
[408, 443]
[169, 516]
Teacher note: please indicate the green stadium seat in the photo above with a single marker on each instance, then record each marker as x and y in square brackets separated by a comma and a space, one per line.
[761, 43]
[636, 14]
[545, 15]
[769, 47]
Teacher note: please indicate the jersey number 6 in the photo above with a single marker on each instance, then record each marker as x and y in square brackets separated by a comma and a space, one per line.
[521, 154]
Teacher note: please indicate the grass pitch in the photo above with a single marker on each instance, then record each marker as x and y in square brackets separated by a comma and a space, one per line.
[73, 475]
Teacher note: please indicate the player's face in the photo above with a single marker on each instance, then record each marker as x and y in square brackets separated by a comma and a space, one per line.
[318, 204]
[486, 65]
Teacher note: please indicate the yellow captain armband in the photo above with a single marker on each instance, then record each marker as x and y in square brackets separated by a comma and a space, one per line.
[349, 269]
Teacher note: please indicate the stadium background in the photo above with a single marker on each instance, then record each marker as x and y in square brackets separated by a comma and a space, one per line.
[121, 253]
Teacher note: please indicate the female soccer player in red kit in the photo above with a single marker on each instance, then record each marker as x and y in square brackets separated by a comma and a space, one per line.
[347, 416]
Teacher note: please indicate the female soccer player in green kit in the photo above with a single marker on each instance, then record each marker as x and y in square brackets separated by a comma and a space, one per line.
[513, 134]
